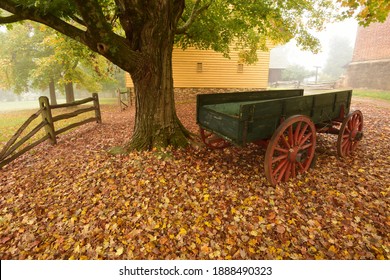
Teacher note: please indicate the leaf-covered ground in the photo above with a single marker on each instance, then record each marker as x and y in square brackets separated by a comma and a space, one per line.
[76, 201]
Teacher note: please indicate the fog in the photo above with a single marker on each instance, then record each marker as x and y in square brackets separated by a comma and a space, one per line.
[290, 54]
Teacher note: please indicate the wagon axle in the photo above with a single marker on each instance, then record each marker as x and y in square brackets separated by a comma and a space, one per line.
[297, 155]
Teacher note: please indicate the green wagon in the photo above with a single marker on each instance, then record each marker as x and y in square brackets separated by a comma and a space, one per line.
[285, 122]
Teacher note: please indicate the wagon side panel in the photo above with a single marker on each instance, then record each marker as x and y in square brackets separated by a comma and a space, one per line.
[297, 106]
[262, 119]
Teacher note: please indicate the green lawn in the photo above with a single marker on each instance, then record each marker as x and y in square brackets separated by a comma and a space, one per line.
[376, 94]
[14, 114]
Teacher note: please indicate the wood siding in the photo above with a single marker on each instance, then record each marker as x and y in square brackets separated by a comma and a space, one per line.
[194, 68]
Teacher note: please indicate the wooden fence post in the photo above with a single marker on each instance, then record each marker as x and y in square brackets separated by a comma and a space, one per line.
[46, 116]
[97, 107]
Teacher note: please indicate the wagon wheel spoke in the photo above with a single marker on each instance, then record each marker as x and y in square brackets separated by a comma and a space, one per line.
[281, 150]
[290, 150]
[279, 158]
[293, 170]
[288, 172]
[297, 133]
[351, 133]
[302, 132]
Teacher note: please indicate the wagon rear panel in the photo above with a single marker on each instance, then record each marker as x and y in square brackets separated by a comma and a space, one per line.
[327, 107]
[227, 126]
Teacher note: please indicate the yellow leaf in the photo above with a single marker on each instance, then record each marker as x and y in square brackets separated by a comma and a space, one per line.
[205, 249]
[197, 240]
[206, 197]
[182, 231]
[332, 249]
[207, 224]
[162, 180]
[119, 251]
[252, 242]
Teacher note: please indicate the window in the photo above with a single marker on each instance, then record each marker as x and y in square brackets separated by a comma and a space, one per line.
[240, 68]
[199, 67]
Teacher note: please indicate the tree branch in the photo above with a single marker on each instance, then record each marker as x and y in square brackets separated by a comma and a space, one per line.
[78, 20]
[10, 19]
[99, 35]
[93, 16]
[32, 13]
[196, 11]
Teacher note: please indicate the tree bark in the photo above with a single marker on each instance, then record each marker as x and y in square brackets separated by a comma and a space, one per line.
[156, 123]
[52, 90]
[69, 93]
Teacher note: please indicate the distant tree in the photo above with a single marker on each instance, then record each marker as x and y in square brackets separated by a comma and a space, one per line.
[296, 72]
[35, 56]
[16, 53]
[340, 54]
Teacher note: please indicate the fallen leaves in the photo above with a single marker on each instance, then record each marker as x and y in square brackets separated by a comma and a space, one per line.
[75, 201]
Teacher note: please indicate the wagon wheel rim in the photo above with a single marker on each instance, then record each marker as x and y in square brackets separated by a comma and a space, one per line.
[351, 133]
[212, 140]
[291, 149]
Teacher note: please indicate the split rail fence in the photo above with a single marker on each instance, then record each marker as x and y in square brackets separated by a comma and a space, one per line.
[9, 151]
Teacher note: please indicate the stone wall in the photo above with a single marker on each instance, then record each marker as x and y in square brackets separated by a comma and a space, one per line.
[189, 94]
[370, 66]
[369, 74]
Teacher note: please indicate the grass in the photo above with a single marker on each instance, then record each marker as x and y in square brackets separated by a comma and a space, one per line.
[23, 105]
[12, 117]
[375, 94]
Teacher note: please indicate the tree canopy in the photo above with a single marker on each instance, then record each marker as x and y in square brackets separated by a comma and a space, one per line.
[138, 36]
[34, 55]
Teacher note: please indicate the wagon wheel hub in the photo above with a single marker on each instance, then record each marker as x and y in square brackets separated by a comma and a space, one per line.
[356, 135]
[297, 155]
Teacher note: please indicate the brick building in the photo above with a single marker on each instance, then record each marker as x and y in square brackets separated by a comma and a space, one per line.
[370, 66]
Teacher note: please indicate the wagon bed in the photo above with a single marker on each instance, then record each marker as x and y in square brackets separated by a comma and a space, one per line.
[283, 121]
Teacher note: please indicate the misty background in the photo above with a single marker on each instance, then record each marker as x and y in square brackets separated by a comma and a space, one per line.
[337, 44]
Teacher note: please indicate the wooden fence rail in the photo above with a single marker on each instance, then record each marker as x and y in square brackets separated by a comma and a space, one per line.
[8, 152]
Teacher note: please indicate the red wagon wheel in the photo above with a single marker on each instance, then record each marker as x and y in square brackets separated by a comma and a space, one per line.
[290, 150]
[351, 132]
[212, 140]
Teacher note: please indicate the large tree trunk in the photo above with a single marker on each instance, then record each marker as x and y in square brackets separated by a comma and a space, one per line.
[156, 123]
[52, 90]
[69, 93]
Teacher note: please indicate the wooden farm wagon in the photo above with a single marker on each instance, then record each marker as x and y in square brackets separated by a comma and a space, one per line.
[285, 122]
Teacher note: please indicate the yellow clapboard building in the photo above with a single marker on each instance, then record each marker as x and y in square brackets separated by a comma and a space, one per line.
[193, 68]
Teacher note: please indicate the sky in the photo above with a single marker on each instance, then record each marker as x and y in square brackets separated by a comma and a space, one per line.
[290, 51]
